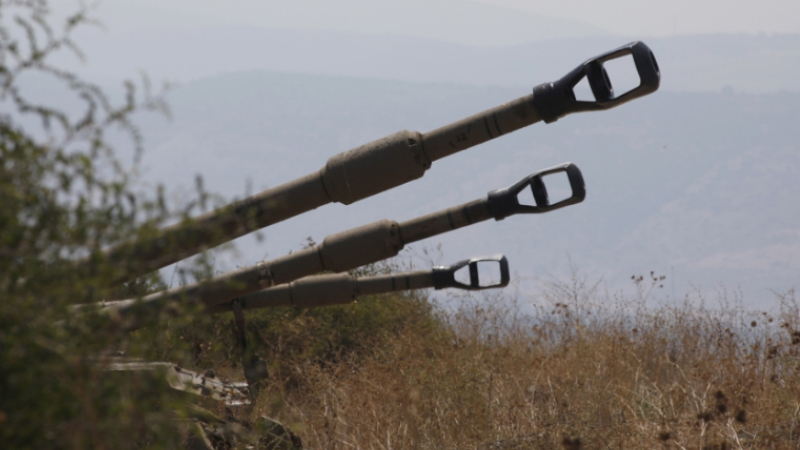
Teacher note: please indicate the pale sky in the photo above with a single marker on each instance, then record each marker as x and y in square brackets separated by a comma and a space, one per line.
[442, 19]
[663, 18]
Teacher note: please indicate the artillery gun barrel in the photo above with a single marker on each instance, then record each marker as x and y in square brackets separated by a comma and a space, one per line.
[377, 166]
[343, 288]
[364, 245]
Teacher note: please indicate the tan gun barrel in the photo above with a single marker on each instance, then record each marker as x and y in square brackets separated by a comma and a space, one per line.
[364, 245]
[343, 288]
[375, 167]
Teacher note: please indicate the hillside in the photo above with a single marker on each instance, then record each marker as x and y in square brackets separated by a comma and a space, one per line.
[748, 63]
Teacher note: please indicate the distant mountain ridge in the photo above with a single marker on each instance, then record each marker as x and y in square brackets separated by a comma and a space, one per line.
[747, 63]
[701, 186]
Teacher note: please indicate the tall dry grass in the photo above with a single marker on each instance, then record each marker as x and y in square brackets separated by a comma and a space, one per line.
[577, 371]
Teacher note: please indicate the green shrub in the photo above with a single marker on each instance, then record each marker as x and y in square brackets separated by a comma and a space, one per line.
[65, 195]
[287, 335]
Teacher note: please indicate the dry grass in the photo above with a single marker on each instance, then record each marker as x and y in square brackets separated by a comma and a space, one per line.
[577, 373]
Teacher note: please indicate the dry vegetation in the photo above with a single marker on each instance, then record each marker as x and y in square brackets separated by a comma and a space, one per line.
[580, 372]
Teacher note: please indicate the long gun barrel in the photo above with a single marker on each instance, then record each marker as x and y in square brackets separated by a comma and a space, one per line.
[367, 244]
[378, 166]
[343, 288]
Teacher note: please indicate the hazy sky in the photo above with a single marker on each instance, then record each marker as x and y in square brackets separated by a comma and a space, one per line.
[493, 22]
[662, 18]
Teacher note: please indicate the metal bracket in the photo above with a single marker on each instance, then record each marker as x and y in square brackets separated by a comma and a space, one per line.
[255, 368]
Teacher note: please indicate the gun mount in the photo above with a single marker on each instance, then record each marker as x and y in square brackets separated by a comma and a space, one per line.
[377, 166]
[204, 429]
[363, 245]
